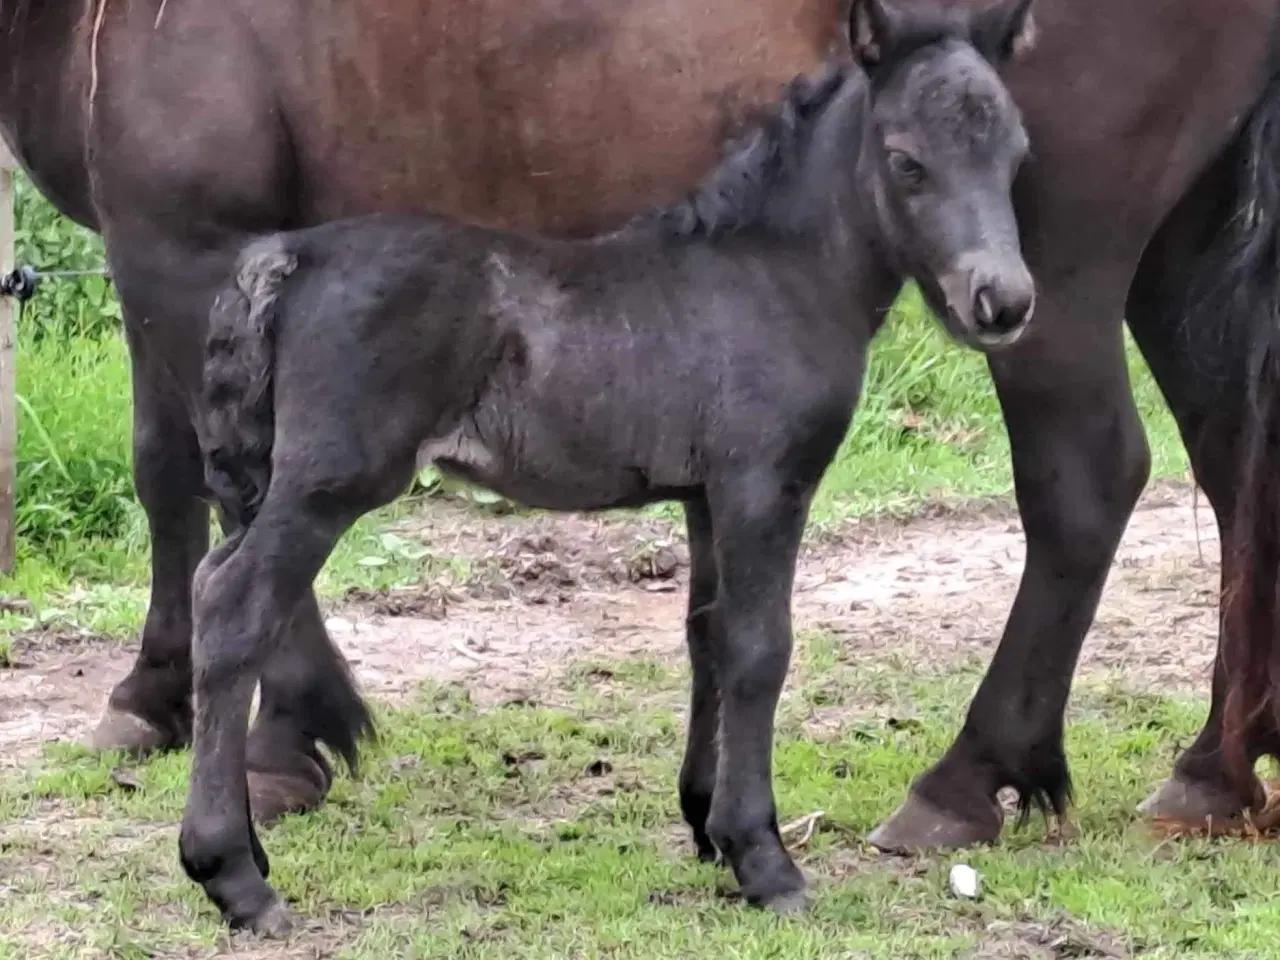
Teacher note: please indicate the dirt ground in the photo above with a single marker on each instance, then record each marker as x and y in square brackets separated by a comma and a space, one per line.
[542, 592]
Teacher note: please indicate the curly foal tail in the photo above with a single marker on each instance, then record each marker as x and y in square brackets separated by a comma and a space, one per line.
[1248, 277]
[239, 368]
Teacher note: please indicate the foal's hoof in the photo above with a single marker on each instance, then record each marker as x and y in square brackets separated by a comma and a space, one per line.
[272, 922]
[918, 826]
[1198, 805]
[272, 795]
[781, 890]
[789, 904]
[120, 730]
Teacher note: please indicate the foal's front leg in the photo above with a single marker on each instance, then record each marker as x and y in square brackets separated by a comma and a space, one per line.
[758, 524]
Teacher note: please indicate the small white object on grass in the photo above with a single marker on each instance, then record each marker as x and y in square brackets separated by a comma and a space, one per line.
[965, 881]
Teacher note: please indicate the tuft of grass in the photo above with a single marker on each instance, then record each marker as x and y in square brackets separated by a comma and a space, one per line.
[75, 490]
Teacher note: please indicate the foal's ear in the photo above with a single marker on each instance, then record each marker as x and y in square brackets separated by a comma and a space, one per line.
[1005, 31]
[874, 26]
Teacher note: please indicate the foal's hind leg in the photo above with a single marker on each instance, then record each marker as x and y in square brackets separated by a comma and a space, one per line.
[758, 527]
[1200, 365]
[245, 599]
[308, 697]
[698, 772]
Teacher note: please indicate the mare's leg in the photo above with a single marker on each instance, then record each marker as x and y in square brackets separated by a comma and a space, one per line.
[1199, 361]
[151, 707]
[758, 524]
[698, 772]
[1080, 460]
[246, 597]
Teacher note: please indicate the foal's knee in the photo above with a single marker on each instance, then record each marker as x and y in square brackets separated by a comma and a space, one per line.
[755, 668]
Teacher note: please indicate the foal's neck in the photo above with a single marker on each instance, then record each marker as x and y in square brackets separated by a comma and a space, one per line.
[828, 203]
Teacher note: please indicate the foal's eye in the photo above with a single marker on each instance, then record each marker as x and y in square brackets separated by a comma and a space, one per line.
[906, 168]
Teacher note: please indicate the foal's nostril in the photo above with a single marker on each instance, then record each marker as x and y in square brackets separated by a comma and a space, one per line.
[999, 316]
[984, 311]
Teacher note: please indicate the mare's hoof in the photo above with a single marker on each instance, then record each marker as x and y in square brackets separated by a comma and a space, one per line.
[917, 826]
[120, 730]
[1195, 804]
[272, 795]
[272, 922]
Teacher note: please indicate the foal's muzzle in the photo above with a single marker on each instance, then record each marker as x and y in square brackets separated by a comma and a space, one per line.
[989, 303]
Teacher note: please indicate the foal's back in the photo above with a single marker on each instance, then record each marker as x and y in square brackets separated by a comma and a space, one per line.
[567, 376]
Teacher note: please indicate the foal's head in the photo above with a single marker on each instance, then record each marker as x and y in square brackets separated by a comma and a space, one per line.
[949, 140]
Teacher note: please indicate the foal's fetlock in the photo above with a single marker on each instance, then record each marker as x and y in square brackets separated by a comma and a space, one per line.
[696, 807]
[764, 870]
[704, 849]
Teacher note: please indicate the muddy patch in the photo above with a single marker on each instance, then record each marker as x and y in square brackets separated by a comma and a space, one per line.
[52, 685]
[545, 591]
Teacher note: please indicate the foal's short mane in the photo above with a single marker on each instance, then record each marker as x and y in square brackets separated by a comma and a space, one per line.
[734, 196]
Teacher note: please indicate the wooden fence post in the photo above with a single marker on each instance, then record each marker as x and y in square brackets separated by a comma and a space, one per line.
[8, 370]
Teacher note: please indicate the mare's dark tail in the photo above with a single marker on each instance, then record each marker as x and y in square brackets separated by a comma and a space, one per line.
[1246, 272]
[239, 373]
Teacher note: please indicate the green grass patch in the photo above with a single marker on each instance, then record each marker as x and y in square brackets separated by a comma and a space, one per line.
[76, 507]
[554, 833]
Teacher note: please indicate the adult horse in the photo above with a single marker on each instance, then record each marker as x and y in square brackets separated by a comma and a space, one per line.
[177, 128]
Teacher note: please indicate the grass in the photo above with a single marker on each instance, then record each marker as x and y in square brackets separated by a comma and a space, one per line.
[552, 831]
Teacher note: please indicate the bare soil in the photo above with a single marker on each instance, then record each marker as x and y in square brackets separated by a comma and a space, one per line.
[546, 591]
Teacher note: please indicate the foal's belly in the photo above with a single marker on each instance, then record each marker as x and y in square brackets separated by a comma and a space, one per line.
[546, 483]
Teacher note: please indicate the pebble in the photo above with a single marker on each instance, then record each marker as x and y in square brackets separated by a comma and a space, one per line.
[965, 881]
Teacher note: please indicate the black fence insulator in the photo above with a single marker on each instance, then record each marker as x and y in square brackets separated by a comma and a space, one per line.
[20, 284]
